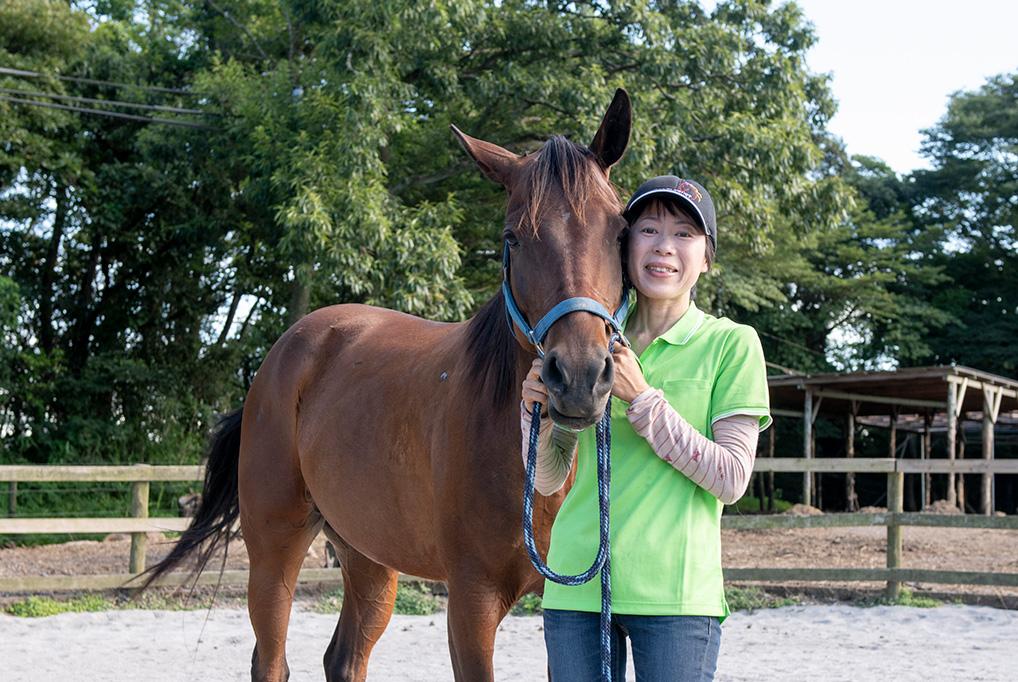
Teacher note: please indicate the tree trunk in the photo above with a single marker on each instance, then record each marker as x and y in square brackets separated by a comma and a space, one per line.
[49, 270]
[88, 310]
[300, 296]
[229, 318]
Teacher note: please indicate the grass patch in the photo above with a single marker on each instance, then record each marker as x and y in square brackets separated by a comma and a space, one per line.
[412, 599]
[528, 605]
[415, 599]
[747, 504]
[329, 603]
[907, 598]
[41, 607]
[753, 598]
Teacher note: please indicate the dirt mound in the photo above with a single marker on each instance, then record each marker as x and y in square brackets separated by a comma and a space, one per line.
[942, 507]
[803, 510]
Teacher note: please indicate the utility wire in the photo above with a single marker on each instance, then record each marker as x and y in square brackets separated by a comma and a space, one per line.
[793, 343]
[786, 370]
[113, 102]
[92, 81]
[103, 112]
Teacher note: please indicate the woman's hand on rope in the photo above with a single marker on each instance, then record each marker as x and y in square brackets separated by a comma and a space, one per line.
[534, 390]
[629, 381]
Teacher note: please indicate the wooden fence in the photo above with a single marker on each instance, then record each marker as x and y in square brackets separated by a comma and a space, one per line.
[894, 519]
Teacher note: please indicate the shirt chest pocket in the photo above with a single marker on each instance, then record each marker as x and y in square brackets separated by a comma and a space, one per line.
[691, 399]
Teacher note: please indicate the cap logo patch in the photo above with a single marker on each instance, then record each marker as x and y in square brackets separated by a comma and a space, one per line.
[689, 190]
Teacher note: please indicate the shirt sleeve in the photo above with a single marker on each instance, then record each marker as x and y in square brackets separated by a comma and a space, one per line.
[556, 448]
[741, 383]
[721, 466]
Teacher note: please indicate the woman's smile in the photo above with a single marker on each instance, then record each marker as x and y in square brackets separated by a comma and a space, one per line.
[658, 269]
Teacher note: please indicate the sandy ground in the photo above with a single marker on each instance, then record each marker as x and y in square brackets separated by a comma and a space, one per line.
[824, 642]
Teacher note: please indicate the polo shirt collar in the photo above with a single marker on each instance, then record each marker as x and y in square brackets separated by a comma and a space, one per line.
[684, 329]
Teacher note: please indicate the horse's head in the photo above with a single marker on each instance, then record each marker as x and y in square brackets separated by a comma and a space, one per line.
[563, 228]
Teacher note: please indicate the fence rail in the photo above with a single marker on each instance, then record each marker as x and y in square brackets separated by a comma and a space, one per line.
[894, 519]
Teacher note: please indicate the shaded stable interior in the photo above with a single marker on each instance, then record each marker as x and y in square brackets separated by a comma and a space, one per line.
[924, 412]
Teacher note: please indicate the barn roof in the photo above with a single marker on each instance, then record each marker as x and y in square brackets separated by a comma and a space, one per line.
[913, 390]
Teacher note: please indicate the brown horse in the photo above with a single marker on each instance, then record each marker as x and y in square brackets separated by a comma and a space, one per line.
[399, 437]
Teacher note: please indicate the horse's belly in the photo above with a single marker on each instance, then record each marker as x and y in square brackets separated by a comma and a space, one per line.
[379, 500]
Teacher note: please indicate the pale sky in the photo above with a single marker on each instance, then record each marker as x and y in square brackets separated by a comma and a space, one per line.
[895, 63]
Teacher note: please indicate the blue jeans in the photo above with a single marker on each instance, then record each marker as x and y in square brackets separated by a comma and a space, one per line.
[665, 648]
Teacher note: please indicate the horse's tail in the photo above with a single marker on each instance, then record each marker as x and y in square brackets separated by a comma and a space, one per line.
[219, 508]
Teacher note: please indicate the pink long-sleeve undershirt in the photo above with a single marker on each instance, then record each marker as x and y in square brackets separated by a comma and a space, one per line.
[721, 466]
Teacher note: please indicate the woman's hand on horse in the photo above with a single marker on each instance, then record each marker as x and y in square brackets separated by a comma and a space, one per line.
[534, 390]
[629, 381]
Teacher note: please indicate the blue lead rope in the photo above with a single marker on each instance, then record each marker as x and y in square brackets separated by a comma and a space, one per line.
[602, 561]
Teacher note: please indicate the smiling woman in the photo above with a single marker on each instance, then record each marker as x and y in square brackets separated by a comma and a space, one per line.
[689, 398]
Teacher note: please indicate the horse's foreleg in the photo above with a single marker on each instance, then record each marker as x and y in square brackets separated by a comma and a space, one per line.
[475, 609]
[369, 594]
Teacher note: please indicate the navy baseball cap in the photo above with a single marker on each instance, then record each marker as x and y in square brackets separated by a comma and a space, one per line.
[689, 194]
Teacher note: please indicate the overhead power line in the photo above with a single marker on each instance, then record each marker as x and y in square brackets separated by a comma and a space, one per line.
[793, 343]
[112, 102]
[93, 81]
[786, 370]
[104, 112]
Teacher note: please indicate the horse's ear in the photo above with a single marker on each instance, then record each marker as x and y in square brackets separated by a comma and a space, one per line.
[495, 162]
[613, 136]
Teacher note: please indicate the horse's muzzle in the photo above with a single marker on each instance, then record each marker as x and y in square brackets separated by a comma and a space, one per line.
[578, 386]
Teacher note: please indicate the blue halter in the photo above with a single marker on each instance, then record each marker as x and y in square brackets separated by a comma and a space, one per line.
[536, 334]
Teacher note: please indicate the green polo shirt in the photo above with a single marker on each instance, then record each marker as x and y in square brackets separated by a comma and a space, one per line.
[665, 530]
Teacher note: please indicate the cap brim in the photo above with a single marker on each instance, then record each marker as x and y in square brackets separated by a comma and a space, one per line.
[685, 201]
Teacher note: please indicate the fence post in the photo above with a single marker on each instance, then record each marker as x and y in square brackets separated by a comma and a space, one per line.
[139, 510]
[895, 505]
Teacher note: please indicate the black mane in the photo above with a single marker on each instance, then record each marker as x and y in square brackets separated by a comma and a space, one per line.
[491, 351]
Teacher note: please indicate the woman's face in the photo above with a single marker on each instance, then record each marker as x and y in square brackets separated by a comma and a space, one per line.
[667, 253]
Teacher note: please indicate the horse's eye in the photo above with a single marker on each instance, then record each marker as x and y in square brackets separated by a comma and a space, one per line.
[511, 239]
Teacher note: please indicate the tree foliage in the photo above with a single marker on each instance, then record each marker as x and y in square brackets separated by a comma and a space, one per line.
[145, 269]
[967, 207]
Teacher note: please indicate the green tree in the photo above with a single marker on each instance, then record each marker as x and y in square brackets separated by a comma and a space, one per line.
[326, 173]
[966, 208]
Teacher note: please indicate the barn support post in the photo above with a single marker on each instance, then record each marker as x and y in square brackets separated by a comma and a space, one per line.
[851, 498]
[927, 449]
[139, 510]
[955, 398]
[895, 505]
[961, 455]
[991, 405]
[807, 449]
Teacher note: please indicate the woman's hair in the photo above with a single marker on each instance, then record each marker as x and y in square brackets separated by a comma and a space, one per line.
[658, 206]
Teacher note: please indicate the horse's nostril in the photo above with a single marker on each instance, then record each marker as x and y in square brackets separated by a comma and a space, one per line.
[555, 375]
[608, 372]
